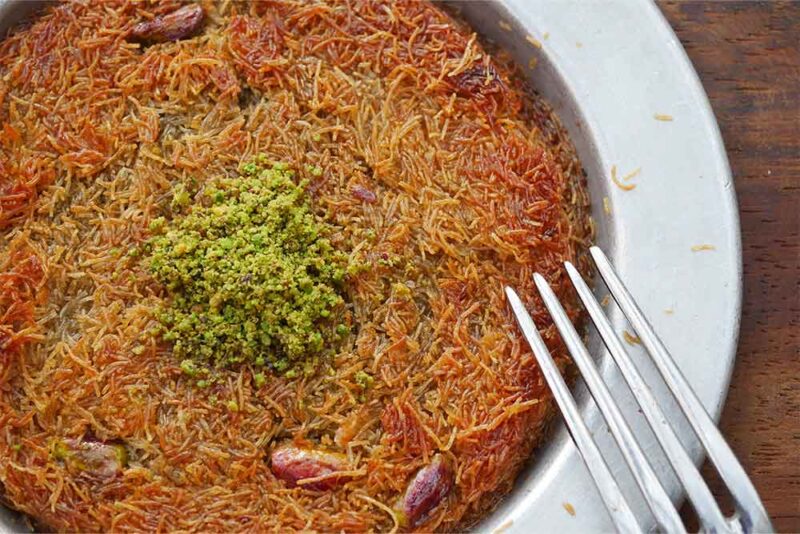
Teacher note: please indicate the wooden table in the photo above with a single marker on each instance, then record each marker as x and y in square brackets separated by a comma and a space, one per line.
[747, 54]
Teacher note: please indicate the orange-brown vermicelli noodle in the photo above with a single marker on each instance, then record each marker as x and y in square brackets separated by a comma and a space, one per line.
[439, 172]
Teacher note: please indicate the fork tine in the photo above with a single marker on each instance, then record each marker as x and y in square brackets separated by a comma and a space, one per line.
[753, 516]
[645, 477]
[610, 493]
[707, 509]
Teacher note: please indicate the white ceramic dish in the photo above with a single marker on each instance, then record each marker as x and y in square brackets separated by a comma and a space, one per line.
[608, 67]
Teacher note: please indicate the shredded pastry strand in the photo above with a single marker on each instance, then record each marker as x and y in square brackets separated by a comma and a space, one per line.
[435, 166]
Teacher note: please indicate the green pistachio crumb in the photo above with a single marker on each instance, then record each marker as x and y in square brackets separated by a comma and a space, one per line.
[16, 447]
[249, 168]
[401, 291]
[356, 267]
[138, 350]
[364, 380]
[121, 454]
[259, 379]
[157, 224]
[180, 198]
[249, 272]
[189, 367]
[59, 450]
[232, 405]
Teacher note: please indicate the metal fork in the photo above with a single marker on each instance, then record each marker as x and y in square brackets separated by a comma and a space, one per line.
[750, 515]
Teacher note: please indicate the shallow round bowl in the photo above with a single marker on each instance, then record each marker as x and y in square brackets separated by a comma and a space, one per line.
[630, 99]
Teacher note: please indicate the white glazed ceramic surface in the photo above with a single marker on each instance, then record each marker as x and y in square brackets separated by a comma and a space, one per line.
[608, 66]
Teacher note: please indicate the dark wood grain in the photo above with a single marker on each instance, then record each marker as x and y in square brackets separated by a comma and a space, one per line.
[748, 57]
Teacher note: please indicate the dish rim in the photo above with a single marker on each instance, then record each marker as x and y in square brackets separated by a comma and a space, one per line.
[556, 475]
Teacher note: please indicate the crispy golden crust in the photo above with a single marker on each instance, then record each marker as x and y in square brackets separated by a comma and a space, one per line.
[438, 171]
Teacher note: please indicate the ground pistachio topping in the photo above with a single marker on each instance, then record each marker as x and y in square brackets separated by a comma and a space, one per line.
[250, 274]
